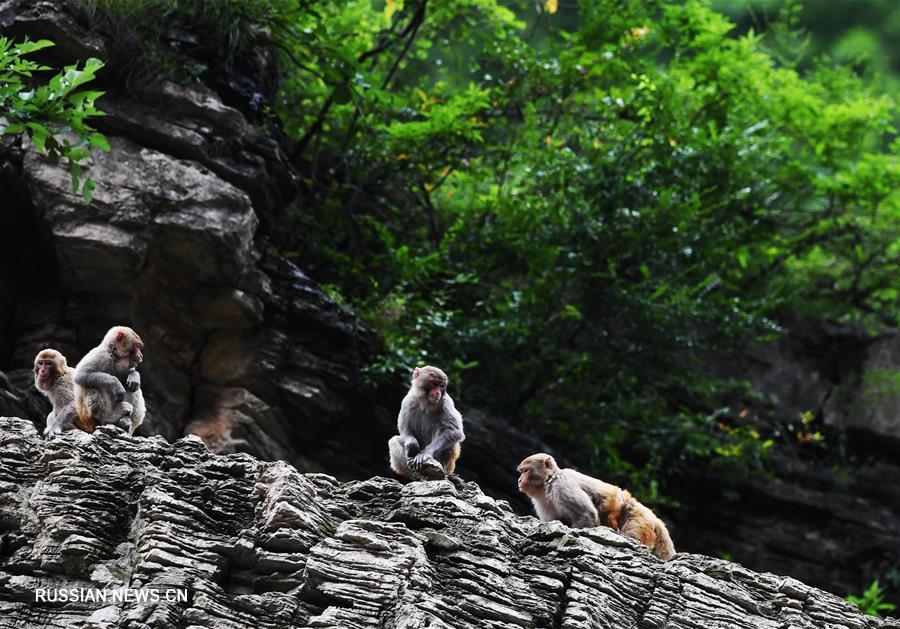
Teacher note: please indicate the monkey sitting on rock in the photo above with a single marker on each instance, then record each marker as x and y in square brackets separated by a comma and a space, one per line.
[580, 501]
[56, 380]
[108, 385]
[430, 428]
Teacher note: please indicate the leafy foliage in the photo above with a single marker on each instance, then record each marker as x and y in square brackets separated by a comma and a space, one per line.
[51, 113]
[577, 211]
[152, 40]
[578, 222]
[872, 601]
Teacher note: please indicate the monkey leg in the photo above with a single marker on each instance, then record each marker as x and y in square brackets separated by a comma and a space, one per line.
[397, 450]
[92, 408]
[136, 399]
[448, 458]
[121, 416]
[400, 449]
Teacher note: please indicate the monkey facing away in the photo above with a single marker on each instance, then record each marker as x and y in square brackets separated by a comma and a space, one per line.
[108, 385]
[430, 428]
[55, 379]
[580, 501]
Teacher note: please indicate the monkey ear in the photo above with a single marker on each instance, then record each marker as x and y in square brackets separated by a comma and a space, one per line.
[119, 336]
[416, 372]
[548, 462]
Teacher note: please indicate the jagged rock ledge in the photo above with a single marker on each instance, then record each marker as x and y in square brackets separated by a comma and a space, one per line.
[258, 544]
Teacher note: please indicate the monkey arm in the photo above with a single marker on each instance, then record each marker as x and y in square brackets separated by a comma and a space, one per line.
[444, 439]
[100, 380]
[579, 505]
[410, 444]
[449, 431]
[60, 422]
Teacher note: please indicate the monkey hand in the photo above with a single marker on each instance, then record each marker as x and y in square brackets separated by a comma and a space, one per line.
[416, 462]
[426, 467]
[133, 383]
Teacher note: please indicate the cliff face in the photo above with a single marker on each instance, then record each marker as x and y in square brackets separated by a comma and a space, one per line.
[831, 523]
[259, 544]
[241, 347]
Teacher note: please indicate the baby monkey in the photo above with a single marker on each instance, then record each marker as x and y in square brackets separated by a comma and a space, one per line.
[55, 379]
[430, 428]
[580, 501]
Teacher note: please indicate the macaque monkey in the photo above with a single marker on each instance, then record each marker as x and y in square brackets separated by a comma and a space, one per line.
[108, 385]
[55, 379]
[580, 501]
[430, 428]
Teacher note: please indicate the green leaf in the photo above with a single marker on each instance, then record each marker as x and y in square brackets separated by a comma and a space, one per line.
[27, 47]
[39, 134]
[98, 141]
[88, 189]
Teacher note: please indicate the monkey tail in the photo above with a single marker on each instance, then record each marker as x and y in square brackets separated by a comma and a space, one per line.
[664, 547]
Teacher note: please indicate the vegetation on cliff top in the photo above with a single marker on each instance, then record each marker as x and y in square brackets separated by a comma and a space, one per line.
[572, 209]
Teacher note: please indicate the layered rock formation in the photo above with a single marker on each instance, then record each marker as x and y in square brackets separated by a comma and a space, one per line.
[259, 544]
[830, 515]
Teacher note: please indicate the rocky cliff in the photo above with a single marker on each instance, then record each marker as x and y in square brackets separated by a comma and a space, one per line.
[259, 544]
[242, 348]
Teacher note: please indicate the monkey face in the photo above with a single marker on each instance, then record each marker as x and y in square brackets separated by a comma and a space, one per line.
[136, 356]
[529, 477]
[127, 345]
[533, 472]
[47, 366]
[432, 382]
[523, 478]
[531, 481]
[437, 392]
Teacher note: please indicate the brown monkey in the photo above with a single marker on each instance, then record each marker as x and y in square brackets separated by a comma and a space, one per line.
[108, 385]
[579, 501]
[55, 379]
[430, 428]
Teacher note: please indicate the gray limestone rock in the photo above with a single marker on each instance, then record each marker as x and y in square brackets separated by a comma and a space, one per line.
[255, 544]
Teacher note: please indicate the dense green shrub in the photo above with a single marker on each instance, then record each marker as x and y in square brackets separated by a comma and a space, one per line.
[575, 218]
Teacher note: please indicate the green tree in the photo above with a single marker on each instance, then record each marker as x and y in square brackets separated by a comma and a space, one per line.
[576, 211]
[53, 113]
[579, 223]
